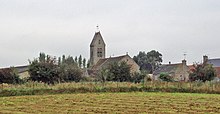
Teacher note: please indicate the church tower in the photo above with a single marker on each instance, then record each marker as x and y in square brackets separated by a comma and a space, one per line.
[97, 48]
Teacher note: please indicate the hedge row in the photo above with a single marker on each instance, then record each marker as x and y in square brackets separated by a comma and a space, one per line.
[21, 92]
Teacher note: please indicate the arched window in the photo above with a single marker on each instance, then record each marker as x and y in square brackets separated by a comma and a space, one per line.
[99, 52]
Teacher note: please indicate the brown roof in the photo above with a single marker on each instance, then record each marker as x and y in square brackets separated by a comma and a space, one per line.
[105, 62]
[5, 72]
[191, 67]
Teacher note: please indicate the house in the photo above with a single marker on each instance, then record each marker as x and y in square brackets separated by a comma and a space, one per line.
[179, 71]
[98, 58]
[214, 62]
[22, 71]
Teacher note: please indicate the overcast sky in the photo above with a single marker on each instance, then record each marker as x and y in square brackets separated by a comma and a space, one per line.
[58, 27]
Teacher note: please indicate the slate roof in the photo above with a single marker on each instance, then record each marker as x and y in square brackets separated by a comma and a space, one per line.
[168, 68]
[214, 62]
[19, 69]
[97, 35]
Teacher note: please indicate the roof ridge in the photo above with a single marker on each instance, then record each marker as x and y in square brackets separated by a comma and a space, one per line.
[214, 59]
[172, 64]
[116, 57]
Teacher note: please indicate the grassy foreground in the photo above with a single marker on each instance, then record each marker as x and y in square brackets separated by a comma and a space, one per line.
[133, 102]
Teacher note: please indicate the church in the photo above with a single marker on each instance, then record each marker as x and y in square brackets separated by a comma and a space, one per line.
[98, 58]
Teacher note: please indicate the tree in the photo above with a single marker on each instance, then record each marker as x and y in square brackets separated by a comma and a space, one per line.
[44, 71]
[119, 72]
[80, 61]
[203, 72]
[84, 63]
[76, 59]
[69, 60]
[88, 64]
[69, 70]
[149, 61]
[59, 60]
[154, 58]
[10, 75]
[42, 57]
[63, 58]
[103, 74]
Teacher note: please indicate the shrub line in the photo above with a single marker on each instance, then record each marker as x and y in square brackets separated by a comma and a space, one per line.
[42, 91]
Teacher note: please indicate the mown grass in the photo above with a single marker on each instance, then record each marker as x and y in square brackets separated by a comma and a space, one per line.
[34, 88]
[132, 102]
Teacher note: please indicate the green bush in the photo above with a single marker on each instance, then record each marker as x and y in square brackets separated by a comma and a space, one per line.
[10, 76]
[119, 72]
[202, 72]
[165, 77]
[46, 69]
[138, 77]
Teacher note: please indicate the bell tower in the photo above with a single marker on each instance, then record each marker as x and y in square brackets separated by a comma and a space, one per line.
[97, 48]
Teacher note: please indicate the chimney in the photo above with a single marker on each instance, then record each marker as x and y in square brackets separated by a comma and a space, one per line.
[205, 59]
[184, 62]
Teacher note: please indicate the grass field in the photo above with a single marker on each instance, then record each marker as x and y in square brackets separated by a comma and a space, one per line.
[133, 102]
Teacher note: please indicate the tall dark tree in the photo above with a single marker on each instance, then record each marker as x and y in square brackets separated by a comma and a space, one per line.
[76, 59]
[63, 58]
[88, 64]
[142, 60]
[154, 58]
[84, 63]
[80, 61]
[42, 57]
[69, 60]
[149, 61]
[59, 60]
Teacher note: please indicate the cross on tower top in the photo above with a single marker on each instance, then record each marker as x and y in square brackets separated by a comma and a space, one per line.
[184, 54]
[97, 28]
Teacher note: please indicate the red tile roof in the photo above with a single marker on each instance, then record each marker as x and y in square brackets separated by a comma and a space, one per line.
[217, 71]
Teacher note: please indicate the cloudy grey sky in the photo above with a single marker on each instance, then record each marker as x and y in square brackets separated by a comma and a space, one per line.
[58, 27]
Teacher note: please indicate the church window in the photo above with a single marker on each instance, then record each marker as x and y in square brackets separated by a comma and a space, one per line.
[99, 41]
[99, 52]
